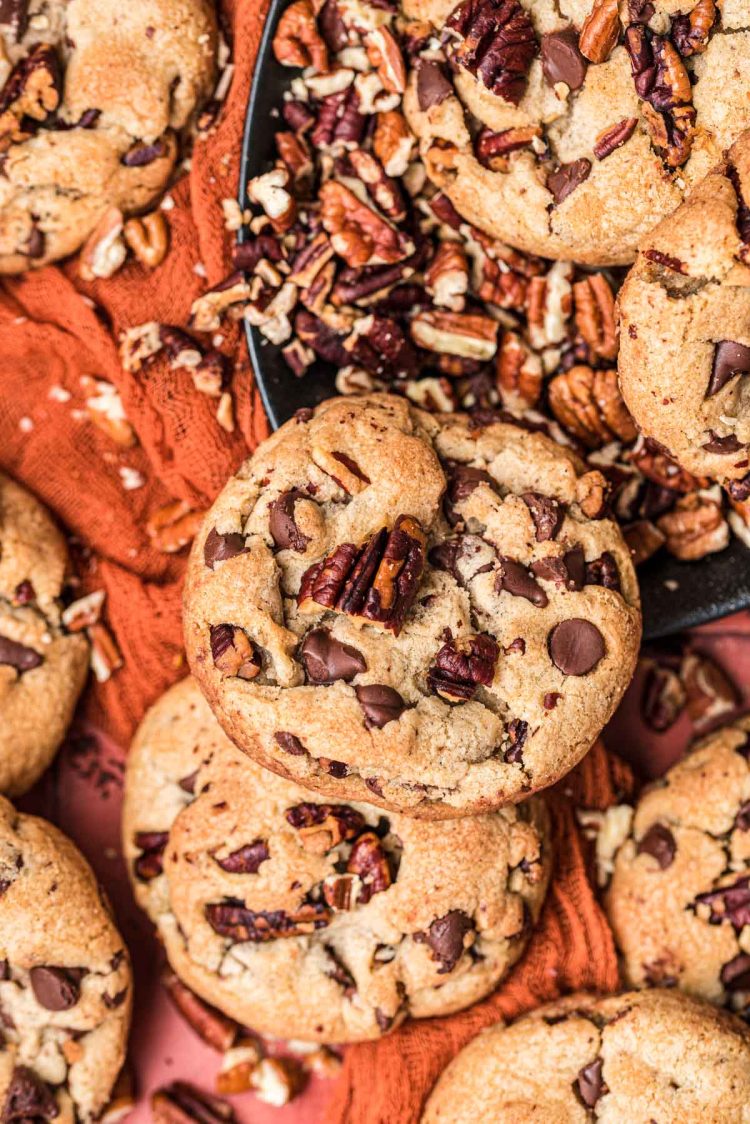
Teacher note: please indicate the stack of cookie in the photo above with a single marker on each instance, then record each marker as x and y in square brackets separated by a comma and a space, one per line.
[410, 625]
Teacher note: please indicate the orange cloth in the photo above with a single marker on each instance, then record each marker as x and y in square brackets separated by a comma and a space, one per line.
[50, 336]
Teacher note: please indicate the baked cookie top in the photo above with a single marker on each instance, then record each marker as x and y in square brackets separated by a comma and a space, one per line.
[679, 899]
[42, 667]
[685, 327]
[570, 129]
[65, 981]
[74, 138]
[312, 920]
[637, 1057]
[425, 612]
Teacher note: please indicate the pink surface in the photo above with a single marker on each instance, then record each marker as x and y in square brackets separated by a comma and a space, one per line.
[82, 794]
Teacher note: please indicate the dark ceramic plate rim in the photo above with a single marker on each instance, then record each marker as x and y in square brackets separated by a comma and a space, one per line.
[676, 595]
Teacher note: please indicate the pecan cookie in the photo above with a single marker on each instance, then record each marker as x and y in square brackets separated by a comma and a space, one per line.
[65, 981]
[42, 667]
[570, 130]
[685, 328]
[74, 141]
[679, 899]
[638, 1057]
[305, 919]
[426, 612]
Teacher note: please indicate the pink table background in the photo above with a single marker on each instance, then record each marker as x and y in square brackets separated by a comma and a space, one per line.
[82, 794]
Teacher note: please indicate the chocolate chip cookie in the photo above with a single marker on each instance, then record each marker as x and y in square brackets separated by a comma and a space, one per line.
[679, 899]
[313, 920]
[685, 328]
[426, 612]
[65, 981]
[637, 1057]
[569, 131]
[42, 666]
[74, 140]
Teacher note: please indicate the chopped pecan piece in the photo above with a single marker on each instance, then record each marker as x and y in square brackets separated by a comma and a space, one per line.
[182, 1103]
[600, 31]
[595, 317]
[233, 920]
[492, 149]
[297, 41]
[234, 653]
[518, 373]
[384, 191]
[694, 527]
[496, 43]
[447, 276]
[662, 698]
[393, 142]
[691, 32]
[614, 137]
[462, 665]
[377, 581]
[369, 862]
[657, 465]
[662, 81]
[358, 234]
[31, 94]
[215, 1028]
[323, 826]
[237, 1066]
[644, 539]
[710, 693]
[729, 903]
[385, 56]
[173, 526]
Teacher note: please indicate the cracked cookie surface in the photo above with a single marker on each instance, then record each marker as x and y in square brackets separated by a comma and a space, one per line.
[305, 919]
[74, 141]
[569, 130]
[42, 667]
[65, 980]
[412, 610]
[638, 1057]
[679, 899]
[685, 328]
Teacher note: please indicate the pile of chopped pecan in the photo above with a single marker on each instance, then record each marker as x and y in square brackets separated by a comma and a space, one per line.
[351, 257]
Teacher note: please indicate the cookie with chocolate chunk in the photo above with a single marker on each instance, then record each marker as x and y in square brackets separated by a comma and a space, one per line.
[570, 130]
[65, 979]
[77, 149]
[641, 1056]
[425, 612]
[685, 328]
[42, 666]
[679, 899]
[309, 919]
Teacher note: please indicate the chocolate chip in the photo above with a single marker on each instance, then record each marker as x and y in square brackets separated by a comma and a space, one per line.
[576, 646]
[590, 1083]
[327, 659]
[563, 182]
[569, 571]
[289, 743]
[660, 844]
[603, 571]
[187, 784]
[742, 819]
[35, 243]
[56, 989]
[385, 1022]
[562, 61]
[515, 579]
[245, 860]
[142, 154]
[730, 359]
[445, 937]
[432, 85]
[219, 548]
[28, 1098]
[18, 655]
[546, 513]
[380, 703]
[723, 446]
[736, 974]
[16, 14]
[729, 903]
[284, 531]
[517, 733]
[350, 464]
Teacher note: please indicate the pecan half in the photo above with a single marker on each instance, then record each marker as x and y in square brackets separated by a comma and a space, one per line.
[323, 826]
[600, 31]
[595, 316]
[492, 149]
[589, 404]
[496, 42]
[213, 1027]
[384, 191]
[467, 335]
[233, 920]
[377, 581]
[182, 1103]
[297, 41]
[358, 234]
[447, 276]
[694, 527]
[462, 665]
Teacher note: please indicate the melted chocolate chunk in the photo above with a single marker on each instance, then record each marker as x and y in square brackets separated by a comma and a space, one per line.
[284, 531]
[730, 359]
[659, 842]
[515, 579]
[445, 937]
[562, 61]
[326, 659]
[219, 548]
[381, 704]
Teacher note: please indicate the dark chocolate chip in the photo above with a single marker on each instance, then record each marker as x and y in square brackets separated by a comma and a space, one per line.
[723, 446]
[515, 579]
[28, 1099]
[730, 359]
[659, 842]
[546, 513]
[18, 655]
[563, 182]
[576, 646]
[568, 571]
[736, 974]
[432, 85]
[590, 1083]
[16, 14]
[219, 548]
[380, 703]
[289, 743]
[284, 531]
[55, 989]
[445, 937]
[327, 659]
[142, 154]
[742, 819]
[562, 61]
[517, 733]
[245, 860]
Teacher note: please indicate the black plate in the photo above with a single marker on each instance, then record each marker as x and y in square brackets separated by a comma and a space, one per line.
[676, 595]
